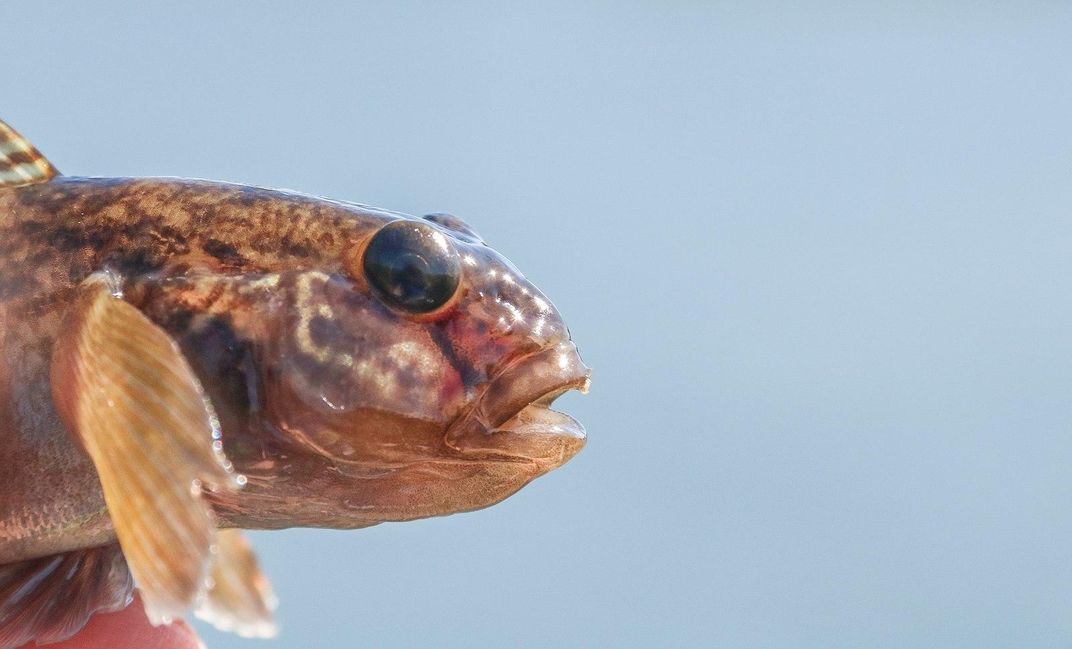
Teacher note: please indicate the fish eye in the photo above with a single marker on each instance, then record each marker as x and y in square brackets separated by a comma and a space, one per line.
[412, 266]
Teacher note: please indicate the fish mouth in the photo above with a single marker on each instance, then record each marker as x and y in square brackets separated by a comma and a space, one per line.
[538, 418]
[513, 419]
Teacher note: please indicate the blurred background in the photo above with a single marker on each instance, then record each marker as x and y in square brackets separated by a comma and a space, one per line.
[819, 255]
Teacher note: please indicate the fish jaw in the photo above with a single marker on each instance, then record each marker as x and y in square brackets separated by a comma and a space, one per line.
[507, 438]
[512, 420]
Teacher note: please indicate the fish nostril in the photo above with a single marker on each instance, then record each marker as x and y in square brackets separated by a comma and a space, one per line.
[459, 228]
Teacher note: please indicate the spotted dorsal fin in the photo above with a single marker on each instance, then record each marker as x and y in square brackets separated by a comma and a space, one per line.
[20, 162]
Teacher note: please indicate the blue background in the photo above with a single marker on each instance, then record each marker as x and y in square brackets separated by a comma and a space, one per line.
[819, 257]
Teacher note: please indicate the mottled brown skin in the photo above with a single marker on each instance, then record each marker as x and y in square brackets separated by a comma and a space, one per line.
[342, 411]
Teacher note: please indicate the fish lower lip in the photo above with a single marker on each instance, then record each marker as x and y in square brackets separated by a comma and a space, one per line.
[538, 418]
[544, 422]
[538, 434]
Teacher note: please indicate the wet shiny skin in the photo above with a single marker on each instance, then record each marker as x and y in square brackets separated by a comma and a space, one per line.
[393, 415]
[340, 408]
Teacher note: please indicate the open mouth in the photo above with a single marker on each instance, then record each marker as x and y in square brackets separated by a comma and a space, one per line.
[514, 420]
[538, 418]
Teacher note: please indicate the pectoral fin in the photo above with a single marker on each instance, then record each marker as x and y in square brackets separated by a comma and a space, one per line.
[240, 598]
[127, 394]
[51, 598]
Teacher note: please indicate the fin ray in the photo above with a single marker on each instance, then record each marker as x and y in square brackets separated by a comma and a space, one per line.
[127, 394]
[240, 598]
[51, 598]
[21, 163]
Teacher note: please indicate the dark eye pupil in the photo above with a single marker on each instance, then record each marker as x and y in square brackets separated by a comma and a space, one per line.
[412, 266]
[411, 278]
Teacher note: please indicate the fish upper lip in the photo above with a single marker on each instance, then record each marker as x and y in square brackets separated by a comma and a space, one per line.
[512, 418]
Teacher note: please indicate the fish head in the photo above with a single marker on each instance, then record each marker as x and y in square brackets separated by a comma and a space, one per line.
[422, 369]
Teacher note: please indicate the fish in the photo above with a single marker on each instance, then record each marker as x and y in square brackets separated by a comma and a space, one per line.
[182, 359]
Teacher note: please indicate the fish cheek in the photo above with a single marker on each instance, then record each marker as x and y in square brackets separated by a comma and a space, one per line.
[356, 381]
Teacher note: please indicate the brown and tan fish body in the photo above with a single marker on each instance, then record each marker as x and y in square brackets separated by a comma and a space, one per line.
[178, 356]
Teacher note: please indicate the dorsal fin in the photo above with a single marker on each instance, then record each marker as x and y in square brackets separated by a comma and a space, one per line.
[20, 162]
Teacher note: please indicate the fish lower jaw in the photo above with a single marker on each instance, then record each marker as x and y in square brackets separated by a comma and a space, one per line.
[536, 435]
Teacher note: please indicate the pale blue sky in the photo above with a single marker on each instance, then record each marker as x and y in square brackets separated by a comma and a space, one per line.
[820, 258]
